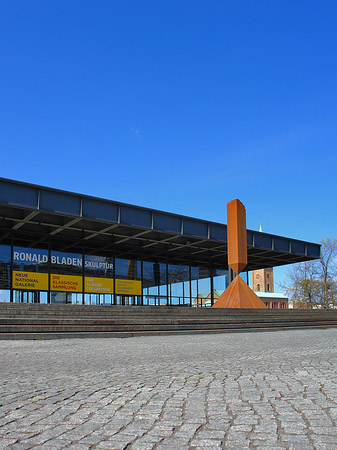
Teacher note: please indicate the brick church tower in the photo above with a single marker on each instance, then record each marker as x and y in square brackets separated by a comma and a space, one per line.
[263, 280]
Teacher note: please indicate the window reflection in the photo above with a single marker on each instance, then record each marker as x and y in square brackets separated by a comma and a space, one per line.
[128, 269]
[154, 283]
[5, 267]
[178, 284]
[66, 280]
[201, 286]
[66, 263]
[30, 259]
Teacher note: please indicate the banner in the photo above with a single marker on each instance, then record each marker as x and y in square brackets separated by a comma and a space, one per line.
[128, 287]
[65, 283]
[30, 281]
[71, 283]
[98, 285]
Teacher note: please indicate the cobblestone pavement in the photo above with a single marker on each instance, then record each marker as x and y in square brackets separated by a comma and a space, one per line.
[275, 390]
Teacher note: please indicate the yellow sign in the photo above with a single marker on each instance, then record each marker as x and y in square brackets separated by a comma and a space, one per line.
[30, 281]
[71, 283]
[99, 285]
[65, 283]
[128, 287]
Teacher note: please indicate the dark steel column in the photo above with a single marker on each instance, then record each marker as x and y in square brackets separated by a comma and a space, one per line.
[11, 275]
[183, 291]
[49, 271]
[167, 284]
[190, 276]
[212, 288]
[114, 277]
[231, 275]
[83, 280]
[141, 280]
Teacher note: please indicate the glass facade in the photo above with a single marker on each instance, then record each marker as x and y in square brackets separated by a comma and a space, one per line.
[128, 276]
[179, 285]
[5, 273]
[154, 283]
[66, 278]
[98, 280]
[201, 285]
[34, 275]
[30, 275]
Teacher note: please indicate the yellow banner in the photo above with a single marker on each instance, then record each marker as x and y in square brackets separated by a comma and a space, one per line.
[99, 285]
[65, 283]
[72, 283]
[128, 287]
[30, 281]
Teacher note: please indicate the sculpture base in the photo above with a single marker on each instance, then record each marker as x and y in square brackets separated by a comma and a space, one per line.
[238, 295]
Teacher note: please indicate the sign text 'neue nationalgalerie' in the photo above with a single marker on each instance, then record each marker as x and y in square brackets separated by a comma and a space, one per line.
[74, 283]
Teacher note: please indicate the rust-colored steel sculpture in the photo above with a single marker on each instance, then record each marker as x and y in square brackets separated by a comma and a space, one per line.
[238, 294]
[236, 236]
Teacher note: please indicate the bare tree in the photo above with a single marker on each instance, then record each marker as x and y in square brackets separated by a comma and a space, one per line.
[328, 272]
[313, 284]
[301, 286]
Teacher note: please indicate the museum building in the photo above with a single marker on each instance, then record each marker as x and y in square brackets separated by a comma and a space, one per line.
[63, 247]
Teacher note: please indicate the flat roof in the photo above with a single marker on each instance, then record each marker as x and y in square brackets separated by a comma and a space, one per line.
[38, 216]
[271, 295]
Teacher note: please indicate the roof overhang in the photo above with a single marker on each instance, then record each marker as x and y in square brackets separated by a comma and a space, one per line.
[39, 217]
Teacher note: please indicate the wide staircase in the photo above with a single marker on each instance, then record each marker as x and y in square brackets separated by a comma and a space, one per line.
[39, 321]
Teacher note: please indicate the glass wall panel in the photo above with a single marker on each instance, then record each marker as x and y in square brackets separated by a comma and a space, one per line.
[30, 260]
[178, 284]
[129, 269]
[66, 263]
[154, 283]
[128, 284]
[201, 286]
[98, 266]
[30, 296]
[30, 275]
[66, 297]
[220, 282]
[98, 299]
[128, 300]
[98, 281]
[5, 268]
[66, 280]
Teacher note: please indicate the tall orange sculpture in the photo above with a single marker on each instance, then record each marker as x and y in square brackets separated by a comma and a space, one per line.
[238, 294]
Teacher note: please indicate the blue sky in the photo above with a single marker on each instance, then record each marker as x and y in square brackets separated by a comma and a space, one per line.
[177, 105]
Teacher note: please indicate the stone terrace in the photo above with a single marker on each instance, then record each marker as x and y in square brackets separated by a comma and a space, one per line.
[274, 390]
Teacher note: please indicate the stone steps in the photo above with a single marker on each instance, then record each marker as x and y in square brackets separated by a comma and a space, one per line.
[141, 321]
[116, 310]
[95, 328]
[35, 321]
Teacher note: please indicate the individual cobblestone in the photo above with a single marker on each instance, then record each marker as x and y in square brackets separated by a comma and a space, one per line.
[260, 391]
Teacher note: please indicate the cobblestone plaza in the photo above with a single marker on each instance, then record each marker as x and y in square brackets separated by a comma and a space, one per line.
[274, 390]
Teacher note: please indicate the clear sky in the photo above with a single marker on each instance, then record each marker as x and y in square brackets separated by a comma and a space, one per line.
[177, 105]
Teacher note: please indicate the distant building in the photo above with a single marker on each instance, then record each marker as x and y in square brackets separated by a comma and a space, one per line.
[263, 286]
[205, 299]
[263, 280]
[274, 300]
